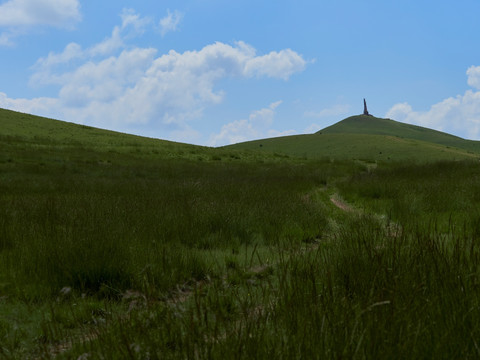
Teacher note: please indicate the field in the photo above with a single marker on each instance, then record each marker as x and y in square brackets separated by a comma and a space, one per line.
[114, 246]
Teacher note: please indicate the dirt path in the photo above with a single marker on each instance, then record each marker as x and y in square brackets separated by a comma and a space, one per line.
[186, 291]
[342, 205]
[393, 230]
[137, 301]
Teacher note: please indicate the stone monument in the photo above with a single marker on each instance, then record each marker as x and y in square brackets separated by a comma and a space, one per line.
[365, 111]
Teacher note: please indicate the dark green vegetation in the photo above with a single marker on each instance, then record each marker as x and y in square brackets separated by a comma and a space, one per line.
[372, 139]
[114, 246]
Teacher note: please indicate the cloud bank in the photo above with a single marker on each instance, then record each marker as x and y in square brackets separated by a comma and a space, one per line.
[125, 88]
[459, 115]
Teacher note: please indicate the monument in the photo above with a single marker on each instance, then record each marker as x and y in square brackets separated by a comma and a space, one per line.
[365, 111]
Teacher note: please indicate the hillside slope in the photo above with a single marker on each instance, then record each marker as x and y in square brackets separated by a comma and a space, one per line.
[371, 125]
[26, 138]
[372, 139]
[17, 128]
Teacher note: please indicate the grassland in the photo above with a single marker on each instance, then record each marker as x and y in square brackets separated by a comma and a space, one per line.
[370, 138]
[144, 249]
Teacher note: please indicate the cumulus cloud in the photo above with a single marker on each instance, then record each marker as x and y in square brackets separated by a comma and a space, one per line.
[170, 22]
[59, 13]
[459, 115]
[335, 110]
[126, 88]
[275, 64]
[19, 15]
[132, 25]
[40, 105]
[473, 74]
[47, 68]
[258, 125]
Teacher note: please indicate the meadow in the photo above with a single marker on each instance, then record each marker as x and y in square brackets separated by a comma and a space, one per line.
[141, 249]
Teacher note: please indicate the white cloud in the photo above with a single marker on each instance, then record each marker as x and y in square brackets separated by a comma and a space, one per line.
[132, 24]
[71, 51]
[5, 39]
[258, 125]
[20, 16]
[312, 128]
[134, 21]
[459, 115]
[58, 13]
[170, 22]
[473, 73]
[335, 110]
[280, 64]
[40, 105]
[124, 88]
[264, 117]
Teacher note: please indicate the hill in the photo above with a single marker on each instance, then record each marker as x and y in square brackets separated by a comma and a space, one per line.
[362, 124]
[39, 132]
[371, 125]
[35, 139]
[372, 139]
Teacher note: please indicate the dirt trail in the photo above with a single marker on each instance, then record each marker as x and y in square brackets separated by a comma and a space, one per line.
[393, 230]
[138, 301]
[342, 205]
[183, 293]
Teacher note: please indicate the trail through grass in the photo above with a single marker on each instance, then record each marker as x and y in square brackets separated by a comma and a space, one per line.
[132, 248]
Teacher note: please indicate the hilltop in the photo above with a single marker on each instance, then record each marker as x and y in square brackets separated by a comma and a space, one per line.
[370, 138]
[370, 125]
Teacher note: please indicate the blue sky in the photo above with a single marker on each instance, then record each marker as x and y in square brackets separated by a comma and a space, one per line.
[214, 72]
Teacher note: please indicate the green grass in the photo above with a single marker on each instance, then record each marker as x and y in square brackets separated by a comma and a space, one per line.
[371, 139]
[362, 124]
[140, 248]
[47, 133]
[23, 135]
[365, 147]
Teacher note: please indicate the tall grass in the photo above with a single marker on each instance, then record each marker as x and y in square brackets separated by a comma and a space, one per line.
[444, 193]
[173, 258]
[363, 295]
[147, 225]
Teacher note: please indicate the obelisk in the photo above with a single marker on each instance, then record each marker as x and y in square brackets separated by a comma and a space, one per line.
[365, 111]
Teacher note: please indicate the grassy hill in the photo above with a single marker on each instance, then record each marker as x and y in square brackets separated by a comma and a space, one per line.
[370, 138]
[371, 125]
[29, 138]
[39, 132]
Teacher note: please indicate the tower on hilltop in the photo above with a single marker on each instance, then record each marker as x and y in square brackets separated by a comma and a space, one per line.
[365, 111]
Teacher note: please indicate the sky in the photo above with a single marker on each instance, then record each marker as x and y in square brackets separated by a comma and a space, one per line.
[216, 72]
